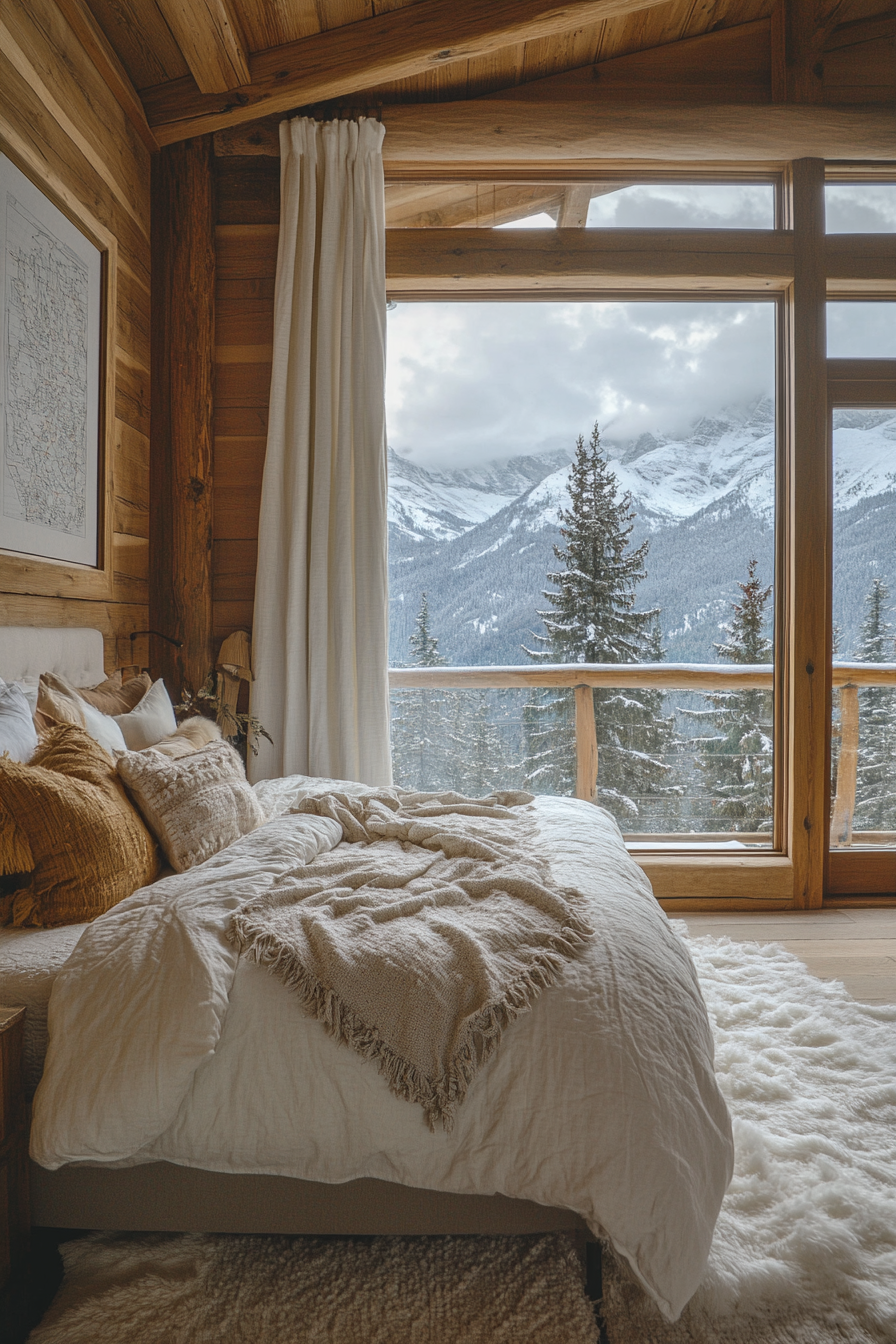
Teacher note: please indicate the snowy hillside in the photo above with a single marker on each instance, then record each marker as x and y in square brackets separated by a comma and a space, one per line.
[440, 505]
[480, 542]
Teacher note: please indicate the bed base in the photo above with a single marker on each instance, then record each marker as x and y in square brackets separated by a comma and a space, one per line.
[162, 1197]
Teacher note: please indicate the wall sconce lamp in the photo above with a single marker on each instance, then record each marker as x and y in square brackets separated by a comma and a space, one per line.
[178, 643]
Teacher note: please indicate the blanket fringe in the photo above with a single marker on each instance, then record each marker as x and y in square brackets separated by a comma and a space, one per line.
[481, 1033]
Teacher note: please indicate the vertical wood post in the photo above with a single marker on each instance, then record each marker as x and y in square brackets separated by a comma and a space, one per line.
[799, 29]
[183, 349]
[847, 767]
[807, 550]
[586, 744]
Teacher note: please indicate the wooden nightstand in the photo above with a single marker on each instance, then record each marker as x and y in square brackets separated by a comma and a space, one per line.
[14, 1212]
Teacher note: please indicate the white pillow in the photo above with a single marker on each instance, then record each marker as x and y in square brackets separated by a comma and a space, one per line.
[18, 735]
[150, 720]
[29, 690]
[103, 728]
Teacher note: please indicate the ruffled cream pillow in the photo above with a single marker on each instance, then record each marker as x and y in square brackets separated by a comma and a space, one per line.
[58, 703]
[195, 806]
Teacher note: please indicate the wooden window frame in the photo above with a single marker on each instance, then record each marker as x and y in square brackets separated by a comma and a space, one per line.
[798, 266]
[860, 383]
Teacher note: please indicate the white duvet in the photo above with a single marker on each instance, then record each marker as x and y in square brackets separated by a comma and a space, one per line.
[164, 1045]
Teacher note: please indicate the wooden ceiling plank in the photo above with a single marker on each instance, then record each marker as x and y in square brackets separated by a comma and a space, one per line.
[879, 26]
[730, 65]
[429, 35]
[209, 37]
[142, 39]
[105, 58]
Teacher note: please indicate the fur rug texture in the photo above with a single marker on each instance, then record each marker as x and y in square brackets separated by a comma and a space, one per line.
[805, 1246]
[804, 1252]
[197, 1289]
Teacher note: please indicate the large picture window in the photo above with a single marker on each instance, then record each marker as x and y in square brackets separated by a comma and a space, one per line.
[649, 615]
[653, 543]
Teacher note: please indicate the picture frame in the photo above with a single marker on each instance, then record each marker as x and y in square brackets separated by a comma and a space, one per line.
[58, 270]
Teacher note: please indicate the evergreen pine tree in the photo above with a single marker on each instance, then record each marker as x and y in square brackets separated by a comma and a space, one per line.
[480, 764]
[875, 808]
[424, 646]
[735, 758]
[420, 757]
[592, 619]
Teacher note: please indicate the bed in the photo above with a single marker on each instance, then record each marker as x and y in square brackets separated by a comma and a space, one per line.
[599, 1114]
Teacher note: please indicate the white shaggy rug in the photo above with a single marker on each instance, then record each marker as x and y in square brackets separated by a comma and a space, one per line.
[805, 1246]
[804, 1253]
[197, 1289]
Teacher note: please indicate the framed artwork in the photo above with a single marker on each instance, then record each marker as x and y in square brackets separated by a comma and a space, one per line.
[54, 302]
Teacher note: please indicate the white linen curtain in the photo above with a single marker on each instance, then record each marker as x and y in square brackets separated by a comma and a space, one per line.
[320, 631]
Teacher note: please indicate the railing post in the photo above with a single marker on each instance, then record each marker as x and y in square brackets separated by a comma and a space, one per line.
[845, 799]
[586, 744]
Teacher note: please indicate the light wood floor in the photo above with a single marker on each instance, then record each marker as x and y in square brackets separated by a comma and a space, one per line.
[855, 946]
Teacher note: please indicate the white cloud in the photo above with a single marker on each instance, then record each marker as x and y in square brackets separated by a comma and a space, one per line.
[470, 382]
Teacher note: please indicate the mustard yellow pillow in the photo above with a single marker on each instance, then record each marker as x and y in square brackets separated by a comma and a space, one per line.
[71, 843]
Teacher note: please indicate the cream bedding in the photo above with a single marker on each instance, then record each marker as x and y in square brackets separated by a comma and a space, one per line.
[164, 1045]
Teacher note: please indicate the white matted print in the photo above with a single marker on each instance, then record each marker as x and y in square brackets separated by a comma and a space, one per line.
[51, 279]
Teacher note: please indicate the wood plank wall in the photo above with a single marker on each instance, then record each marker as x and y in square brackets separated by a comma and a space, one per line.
[61, 125]
[248, 196]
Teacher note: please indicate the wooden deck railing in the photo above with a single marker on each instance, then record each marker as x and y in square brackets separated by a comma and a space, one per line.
[848, 678]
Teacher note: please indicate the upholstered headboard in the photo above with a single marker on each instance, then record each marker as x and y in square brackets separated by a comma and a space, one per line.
[26, 651]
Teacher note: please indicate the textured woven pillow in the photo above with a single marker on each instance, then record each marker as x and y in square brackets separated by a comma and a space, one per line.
[195, 806]
[69, 833]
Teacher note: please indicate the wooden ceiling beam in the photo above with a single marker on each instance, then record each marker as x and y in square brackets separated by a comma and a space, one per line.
[396, 45]
[799, 34]
[208, 35]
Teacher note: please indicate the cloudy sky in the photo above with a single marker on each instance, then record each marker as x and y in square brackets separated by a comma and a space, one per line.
[469, 382]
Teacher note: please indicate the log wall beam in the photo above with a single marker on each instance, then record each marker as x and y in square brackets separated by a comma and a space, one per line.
[395, 45]
[510, 131]
[445, 260]
[183, 345]
[495, 138]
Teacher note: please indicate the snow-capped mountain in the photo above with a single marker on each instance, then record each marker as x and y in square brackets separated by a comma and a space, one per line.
[441, 505]
[481, 542]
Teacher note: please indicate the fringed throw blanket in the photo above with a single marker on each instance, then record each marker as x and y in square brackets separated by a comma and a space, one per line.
[418, 941]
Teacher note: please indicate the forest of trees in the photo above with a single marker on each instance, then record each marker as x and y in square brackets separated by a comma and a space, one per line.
[667, 762]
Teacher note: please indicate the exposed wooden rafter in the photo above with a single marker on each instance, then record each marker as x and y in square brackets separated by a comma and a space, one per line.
[208, 35]
[395, 45]
[799, 36]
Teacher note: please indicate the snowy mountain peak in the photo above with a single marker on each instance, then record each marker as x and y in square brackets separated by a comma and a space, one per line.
[441, 505]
